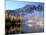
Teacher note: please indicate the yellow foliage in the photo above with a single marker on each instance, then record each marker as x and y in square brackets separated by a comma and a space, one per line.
[30, 18]
[37, 18]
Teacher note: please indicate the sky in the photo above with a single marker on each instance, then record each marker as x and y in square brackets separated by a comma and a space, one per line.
[12, 5]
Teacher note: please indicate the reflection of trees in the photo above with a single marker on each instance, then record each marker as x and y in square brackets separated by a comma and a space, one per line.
[17, 18]
[11, 21]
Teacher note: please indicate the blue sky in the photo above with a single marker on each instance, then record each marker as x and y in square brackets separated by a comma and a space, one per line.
[12, 5]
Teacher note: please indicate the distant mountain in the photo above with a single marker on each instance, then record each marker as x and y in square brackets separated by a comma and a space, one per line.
[26, 9]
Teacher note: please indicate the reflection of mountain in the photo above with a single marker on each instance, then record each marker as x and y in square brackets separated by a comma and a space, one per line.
[26, 9]
[24, 17]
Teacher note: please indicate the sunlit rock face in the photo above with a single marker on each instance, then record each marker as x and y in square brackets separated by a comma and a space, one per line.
[30, 17]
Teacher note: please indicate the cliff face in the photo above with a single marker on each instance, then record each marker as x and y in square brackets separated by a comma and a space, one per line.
[25, 16]
[26, 9]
